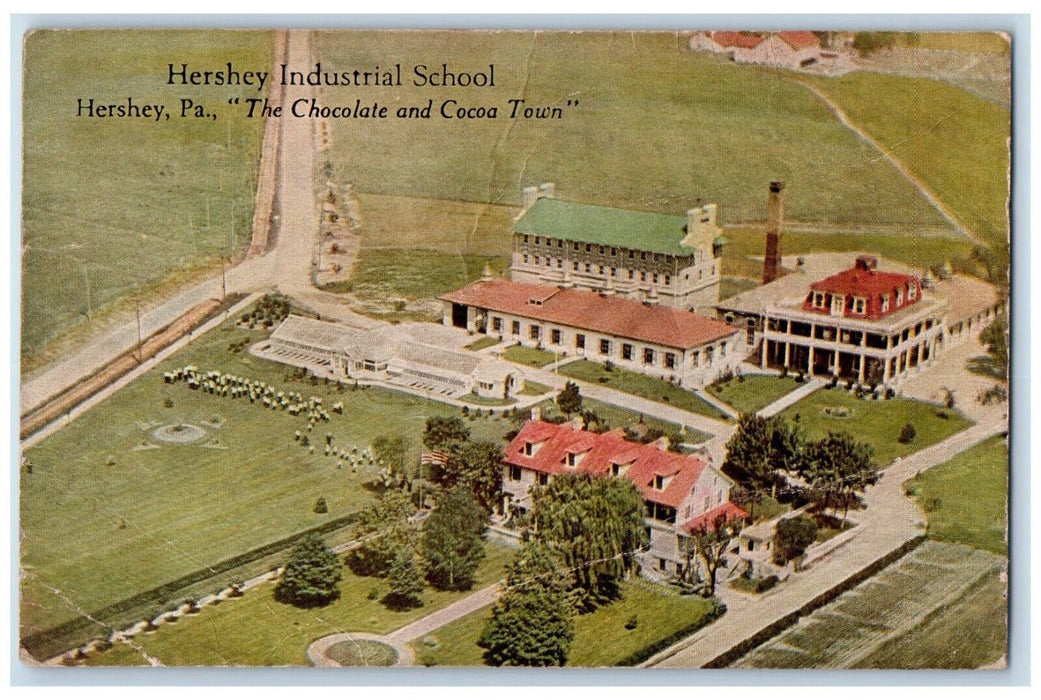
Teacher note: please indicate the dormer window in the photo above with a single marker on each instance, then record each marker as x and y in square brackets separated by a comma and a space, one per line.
[660, 482]
[838, 305]
[899, 296]
[573, 459]
[619, 469]
[859, 305]
[531, 448]
[885, 303]
[912, 290]
[818, 300]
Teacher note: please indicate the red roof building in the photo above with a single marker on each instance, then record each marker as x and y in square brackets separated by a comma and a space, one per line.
[686, 347]
[788, 49]
[679, 490]
[863, 292]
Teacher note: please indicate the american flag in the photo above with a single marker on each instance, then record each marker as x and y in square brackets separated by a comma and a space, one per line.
[439, 457]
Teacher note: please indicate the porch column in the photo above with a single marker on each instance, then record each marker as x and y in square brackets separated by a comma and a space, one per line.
[835, 367]
[860, 370]
[885, 370]
[787, 353]
[766, 343]
[809, 364]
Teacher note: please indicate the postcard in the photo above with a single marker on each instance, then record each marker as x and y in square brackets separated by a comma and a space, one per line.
[660, 349]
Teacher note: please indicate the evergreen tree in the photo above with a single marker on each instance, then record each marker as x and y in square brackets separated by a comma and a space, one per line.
[594, 526]
[406, 581]
[311, 575]
[532, 624]
[453, 540]
[569, 400]
[476, 466]
[792, 537]
[839, 469]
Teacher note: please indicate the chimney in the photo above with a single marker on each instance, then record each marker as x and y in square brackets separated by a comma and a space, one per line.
[652, 297]
[548, 190]
[486, 273]
[774, 215]
[536, 413]
[529, 195]
[577, 423]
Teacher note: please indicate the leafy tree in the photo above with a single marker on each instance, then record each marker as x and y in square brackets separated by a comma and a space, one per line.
[869, 42]
[838, 470]
[383, 529]
[311, 575]
[594, 526]
[393, 450]
[406, 581]
[759, 451]
[453, 540]
[948, 398]
[532, 624]
[569, 400]
[445, 432]
[709, 544]
[792, 537]
[477, 466]
[995, 338]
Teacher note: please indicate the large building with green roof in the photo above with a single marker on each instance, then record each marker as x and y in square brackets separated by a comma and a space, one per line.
[651, 257]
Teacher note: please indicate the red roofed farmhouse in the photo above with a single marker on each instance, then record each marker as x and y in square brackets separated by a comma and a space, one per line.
[688, 348]
[681, 492]
[789, 49]
[861, 324]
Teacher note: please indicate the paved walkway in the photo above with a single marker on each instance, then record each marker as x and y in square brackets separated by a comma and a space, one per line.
[790, 398]
[458, 609]
[890, 520]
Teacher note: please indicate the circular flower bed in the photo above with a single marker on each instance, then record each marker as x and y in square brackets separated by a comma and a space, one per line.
[362, 652]
[837, 411]
[181, 433]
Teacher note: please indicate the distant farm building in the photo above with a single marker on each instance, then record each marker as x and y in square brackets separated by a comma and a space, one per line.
[388, 355]
[649, 338]
[639, 255]
[682, 492]
[790, 49]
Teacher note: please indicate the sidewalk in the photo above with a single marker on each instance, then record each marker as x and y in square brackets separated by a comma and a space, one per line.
[458, 609]
[790, 399]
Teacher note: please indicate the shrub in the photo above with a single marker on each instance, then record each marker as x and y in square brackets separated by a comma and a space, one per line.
[765, 584]
[311, 577]
[907, 434]
[320, 506]
[631, 623]
[168, 402]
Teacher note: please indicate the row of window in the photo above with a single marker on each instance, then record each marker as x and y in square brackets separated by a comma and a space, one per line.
[606, 347]
[859, 304]
[589, 267]
[850, 337]
[603, 250]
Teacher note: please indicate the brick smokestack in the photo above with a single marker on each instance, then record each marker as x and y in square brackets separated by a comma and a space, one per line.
[774, 215]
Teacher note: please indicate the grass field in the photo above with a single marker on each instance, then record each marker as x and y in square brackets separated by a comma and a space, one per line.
[601, 638]
[754, 392]
[704, 110]
[953, 141]
[255, 630]
[640, 385]
[101, 532]
[530, 356]
[916, 613]
[876, 422]
[966, 498]
[112, 207]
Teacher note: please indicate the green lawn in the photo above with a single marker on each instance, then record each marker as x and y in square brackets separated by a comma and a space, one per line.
[966, 498]
[876, 422]
[117, 206]
[601, 638]
[753, 392]
[618, 417]
[530, 356]
[640, 385]
[600, 152]
[255, 630]
[534, 388]
[102, 532]
[952, 140]
[482, 343]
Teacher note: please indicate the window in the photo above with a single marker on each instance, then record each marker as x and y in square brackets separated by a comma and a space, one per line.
[695, 358]
[668, 279]
[655, 278]
[576, 246]
[525, 238]
[589, 248]
[859, 305]
[535, 332]
[627, 351]
[515, 473]
[601, 269]
[574, 265]
[580, 341]
[560, 263]
[589, 267]
[818, 300]
[643, 276]
[614, 251]
[632, 274]
[631, 255]
[529, 449]
[670, 360]
[560, 243]
[648, 356]
[601, 250]
[899, 296]
[643, 256]
[605, 346]
[538, 260]
[543, 479]
[708, 355]
[912, 290]
[497, 324]
[885, 303]
[659, 482]
[525, 258]
[554, 336]
[536, 240]
[515, 327]
[613, 272]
